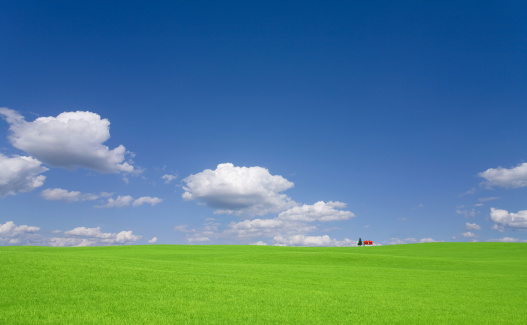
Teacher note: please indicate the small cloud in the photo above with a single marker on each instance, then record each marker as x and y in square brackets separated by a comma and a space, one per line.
[418, 207]
[468, 234]
[486, 199]
[59, 194]
[20, 174]
[169, 178]
[498, 228]
[127, 200]
[505, 177]
[259, 243]
[182, 228]
[147, 200]
[153, 240]
[472, 226]
[121, 201]
[467, 213]
[469, 192]
[198, 239]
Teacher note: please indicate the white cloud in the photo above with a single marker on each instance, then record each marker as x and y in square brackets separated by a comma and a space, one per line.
[12, 234]
[293, 222]
[468, 234]
[169, 178]
[70, 140]
[71, 242]
[121, 201]
[302, 240]
[259, 243]
[146, 200]
[506, 219]
[427, 240]
[319, 211]
[20, 174]
[95, 235]
[503, 177]
[472, 226]
[127, 200]
[239, 190]
[153, 240]
[68, 196]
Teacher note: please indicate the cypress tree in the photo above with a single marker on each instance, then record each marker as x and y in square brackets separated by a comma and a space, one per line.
[360, 242]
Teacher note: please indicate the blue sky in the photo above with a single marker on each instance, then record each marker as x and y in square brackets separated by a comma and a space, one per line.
[286, 123]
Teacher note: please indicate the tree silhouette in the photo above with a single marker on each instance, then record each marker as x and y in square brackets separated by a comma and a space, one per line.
[360, 242]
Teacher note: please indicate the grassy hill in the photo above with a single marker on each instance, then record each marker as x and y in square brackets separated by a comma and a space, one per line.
[433, 283]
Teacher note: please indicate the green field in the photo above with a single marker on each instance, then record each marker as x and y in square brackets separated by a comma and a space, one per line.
[433, 283]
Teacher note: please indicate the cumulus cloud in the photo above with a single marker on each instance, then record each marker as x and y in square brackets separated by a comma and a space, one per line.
[127, 200]
[70, 140]
[95, 235]
[259, 243]
[468, 234]
[153, 240]
[239, 190]
[319, 211]
[169, 178]
[12, 234]
[509, 219]
[20, 174]
[472, 226]
[59, 194]
[504, 177]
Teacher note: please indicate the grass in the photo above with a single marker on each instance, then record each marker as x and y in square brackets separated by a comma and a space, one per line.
[432, 283]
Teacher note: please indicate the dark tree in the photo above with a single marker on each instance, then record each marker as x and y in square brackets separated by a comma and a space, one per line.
[360, 242]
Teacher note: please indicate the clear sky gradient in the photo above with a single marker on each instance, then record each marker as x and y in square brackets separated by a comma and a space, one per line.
[306, 123]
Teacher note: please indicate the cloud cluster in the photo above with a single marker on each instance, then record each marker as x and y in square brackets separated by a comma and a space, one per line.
[20, 174]
[288, 228]
[239, 190]
[82, 236]
[509, 219]
[127, 200]
[512, 178]
[70, 140]
[12, 234]
[302, 240]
